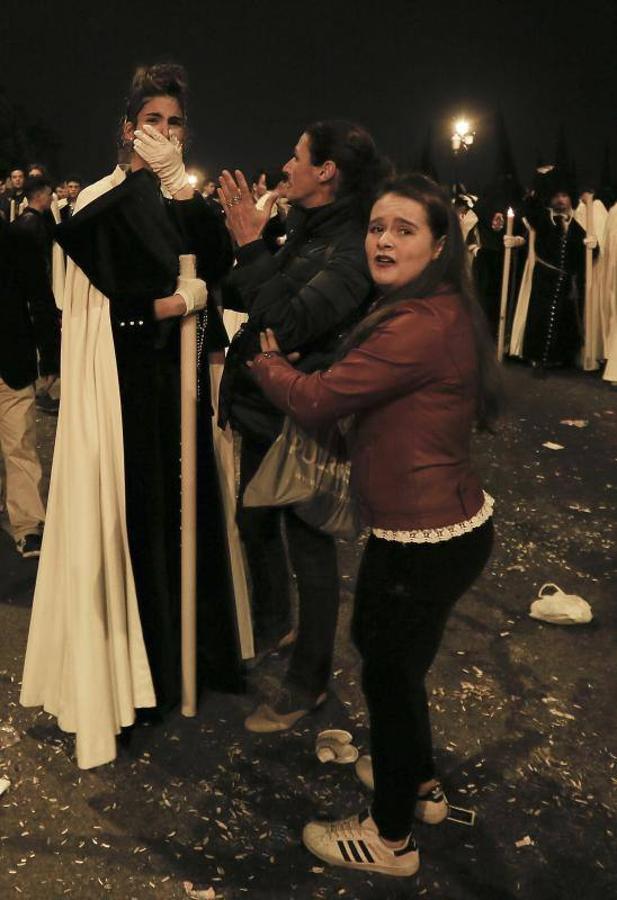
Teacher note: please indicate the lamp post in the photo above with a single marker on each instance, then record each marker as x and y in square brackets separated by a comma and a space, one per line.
[461, 139]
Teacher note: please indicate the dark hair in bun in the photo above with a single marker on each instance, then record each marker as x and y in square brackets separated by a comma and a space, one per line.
[352, 148]
[161, 80]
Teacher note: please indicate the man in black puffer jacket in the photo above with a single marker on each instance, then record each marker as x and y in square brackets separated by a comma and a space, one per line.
[309, 293]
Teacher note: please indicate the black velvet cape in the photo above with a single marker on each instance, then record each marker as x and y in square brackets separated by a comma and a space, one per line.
[127, 242]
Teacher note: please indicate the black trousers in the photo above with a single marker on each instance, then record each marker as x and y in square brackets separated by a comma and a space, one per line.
[313, 559]
[404, 595]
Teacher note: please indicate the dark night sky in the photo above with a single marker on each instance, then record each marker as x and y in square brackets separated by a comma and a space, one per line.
[261, 70]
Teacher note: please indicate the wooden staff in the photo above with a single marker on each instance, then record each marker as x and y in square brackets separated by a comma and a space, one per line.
[588, 362]
[505, 280]
[188, 513]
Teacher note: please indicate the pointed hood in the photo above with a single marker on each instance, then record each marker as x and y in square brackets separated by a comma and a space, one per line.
[505, 166]
[607, 191]
[426, 163]
[505, 188]
[562, 154]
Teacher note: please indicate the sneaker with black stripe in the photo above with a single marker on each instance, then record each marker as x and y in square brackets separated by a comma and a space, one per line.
[355, 843]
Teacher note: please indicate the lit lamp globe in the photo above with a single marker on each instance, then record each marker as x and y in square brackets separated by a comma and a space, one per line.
[461, 127]
[463, 136]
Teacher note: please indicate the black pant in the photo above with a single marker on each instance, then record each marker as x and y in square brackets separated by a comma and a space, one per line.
[404, 595]
[313, 559]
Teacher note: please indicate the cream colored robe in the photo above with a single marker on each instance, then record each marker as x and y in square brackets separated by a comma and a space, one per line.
[596, 330]
[57, 258]
[524, 293]
[607, 278]
[86, 661]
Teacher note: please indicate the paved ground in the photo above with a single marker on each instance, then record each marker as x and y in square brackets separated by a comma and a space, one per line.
[523, 713]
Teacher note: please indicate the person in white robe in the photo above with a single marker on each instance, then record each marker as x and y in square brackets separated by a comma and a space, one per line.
[607, 285]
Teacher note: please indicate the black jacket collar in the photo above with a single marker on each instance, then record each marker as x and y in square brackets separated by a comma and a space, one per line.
[323, 221]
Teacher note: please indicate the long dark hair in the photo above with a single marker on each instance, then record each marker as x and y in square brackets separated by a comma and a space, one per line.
[357, 159]
[448, 271]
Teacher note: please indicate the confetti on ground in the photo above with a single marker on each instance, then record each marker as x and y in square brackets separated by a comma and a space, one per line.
[561, 714]
[9, 736]
[198, 893]
[521, 721]
[575, 423]
[524, 842]
[551, 445]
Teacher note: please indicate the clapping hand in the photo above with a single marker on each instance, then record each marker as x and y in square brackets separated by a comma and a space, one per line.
[244, 220]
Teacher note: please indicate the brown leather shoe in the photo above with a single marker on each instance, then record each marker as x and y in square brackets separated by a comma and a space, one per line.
[265, 719]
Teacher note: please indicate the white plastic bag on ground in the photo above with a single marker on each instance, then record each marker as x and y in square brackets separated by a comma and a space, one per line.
[559, 608]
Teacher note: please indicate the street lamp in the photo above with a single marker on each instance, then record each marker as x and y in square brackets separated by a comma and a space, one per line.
[462, 137]
[192, 179]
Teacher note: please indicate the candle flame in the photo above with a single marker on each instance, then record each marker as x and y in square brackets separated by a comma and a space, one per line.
[510, 212]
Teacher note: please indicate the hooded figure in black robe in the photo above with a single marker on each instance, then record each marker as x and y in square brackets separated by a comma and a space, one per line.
[104, 637]
[128, 243]
[554, 327]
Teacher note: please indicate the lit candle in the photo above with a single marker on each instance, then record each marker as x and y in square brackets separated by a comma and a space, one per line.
[510, 222]
[505, 281]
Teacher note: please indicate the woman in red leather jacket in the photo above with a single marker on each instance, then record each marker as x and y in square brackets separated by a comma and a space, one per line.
[418, 373]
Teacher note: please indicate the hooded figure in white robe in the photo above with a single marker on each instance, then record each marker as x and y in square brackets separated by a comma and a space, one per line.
[596, 313]
[607, 285]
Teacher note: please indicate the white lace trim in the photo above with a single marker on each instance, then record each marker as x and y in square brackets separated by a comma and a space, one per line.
[434, 535]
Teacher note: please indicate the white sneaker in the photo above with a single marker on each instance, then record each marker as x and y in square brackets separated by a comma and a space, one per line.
[431, 808]
[355, 844]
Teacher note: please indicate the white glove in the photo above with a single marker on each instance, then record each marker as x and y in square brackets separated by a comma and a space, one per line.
[473, 249]
[194, 293]
[163, 156]
[512, 240]
[591, 241]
